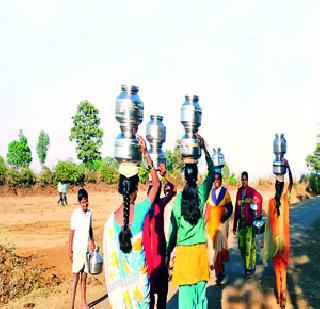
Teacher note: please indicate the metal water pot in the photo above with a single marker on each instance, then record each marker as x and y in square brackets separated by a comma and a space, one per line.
[258, 222]
[279, 149]
[129, 113]
[218, 159]
[191, 120]
[95, 261]
[156, 136]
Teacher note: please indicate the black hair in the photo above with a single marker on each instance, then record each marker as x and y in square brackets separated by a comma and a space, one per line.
[126, 186]
[279, 188]
[190, 202]
[244, 174]
[219, 175]
[166, 186]
[82, 194]
[159, 189]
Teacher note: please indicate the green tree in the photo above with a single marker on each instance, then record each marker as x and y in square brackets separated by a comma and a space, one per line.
[19, 154]
[177, 160]
[3, 170]
[313, 163]
[86, 132]
[43, 146]
[226, 172]
[66, 171]
[169, 162]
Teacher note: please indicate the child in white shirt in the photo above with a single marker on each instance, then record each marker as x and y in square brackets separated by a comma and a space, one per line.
[80, 235]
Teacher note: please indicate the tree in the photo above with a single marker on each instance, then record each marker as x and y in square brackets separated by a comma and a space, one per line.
[19, 154]
[43, 146]
[177, 160]
[169, 162]
[313, 163]
[313, 160]
[86, 132]
[3, 171]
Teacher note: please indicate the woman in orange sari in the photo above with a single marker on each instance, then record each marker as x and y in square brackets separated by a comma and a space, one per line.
[279, 242]
[218, 211]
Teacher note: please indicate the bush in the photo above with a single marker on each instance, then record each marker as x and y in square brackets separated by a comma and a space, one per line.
[94, 165]
[232, 180]
[143, 175]
[109, 174]
[91, 176]
[80, 173]
[25, 178]
[12, 177]
[44, 178]
[66, 171]
[3, 171]
[112, 162]
[314, 183]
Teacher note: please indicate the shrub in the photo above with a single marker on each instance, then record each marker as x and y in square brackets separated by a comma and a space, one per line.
[44, 178]
[109, 174]
[232, 180]
[3, 171]
[143, 175]
[25, 178]
[65, 171]
[94, 165]
[91, 176]
[314, 183]
[80, 173]
[112, 162]
[12, 177]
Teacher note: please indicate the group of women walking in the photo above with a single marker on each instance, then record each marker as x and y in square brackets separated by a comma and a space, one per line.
[137, 254]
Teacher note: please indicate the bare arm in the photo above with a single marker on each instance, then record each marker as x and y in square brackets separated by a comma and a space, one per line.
[143, 148]
[71, 236]
[173, 186]
[91, 241]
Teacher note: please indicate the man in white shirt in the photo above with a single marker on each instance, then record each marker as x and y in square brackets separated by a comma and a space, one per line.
[60, 192]
[80, 235]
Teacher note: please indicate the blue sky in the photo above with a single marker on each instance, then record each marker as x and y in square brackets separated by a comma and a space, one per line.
[254, 64]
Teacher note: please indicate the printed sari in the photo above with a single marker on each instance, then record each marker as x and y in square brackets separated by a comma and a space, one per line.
[126, 274]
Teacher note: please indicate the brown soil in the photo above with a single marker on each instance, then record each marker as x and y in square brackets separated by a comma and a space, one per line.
[20, 275]
[39, 229]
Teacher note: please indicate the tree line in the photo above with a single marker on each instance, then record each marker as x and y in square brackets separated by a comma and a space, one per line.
[87, 135]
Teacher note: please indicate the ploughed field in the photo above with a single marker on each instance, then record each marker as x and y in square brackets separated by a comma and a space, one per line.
[35, 230]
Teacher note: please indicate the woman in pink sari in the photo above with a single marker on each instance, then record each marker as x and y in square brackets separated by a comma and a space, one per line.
[155, 243]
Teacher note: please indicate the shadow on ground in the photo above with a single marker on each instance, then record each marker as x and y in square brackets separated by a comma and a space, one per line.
[303, 275]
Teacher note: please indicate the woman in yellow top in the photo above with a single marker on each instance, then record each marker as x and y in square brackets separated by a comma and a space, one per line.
[218, 211]
[279, 233]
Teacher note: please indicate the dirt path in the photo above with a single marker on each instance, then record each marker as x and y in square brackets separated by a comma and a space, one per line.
[36, 225]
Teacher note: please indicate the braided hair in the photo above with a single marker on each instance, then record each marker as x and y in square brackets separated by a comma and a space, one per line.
[190, 202]
[279, 188]
[126, 187]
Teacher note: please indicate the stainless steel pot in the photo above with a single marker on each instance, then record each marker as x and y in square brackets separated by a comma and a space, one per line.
[129, 113]
[279, 149]
[258, 222]
[191, 120]
[156, 136]
[95, 261]
[218, 159]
